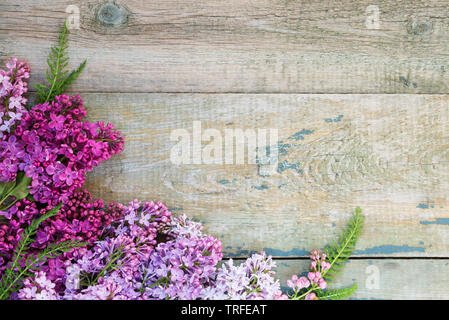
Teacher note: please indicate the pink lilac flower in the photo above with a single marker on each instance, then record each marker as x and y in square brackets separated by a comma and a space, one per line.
[311, 296]
[318, 266]
[298, 283]
[38, 288]
[12, 89]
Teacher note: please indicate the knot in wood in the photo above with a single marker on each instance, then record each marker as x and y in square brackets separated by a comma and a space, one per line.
[419, 27]
[112, 14]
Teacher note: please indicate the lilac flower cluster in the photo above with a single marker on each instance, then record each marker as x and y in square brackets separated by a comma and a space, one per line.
[139, 251]
[38, 288]
[61, 148]
[81, 218]
[149, 254]
[156, 257]
[12, 101]
[181, 268]
[125, 245]
[314, 279]
[251, 280]
[12, 89]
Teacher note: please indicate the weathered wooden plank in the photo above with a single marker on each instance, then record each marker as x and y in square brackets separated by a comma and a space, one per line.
[273, 46]
[385, 153]
[385, 279]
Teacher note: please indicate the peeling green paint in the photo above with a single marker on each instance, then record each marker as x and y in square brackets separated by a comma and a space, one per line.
[300, 134]
[407, 82]
[262, 187]
[440, 221]
[175, 209]
[425, 206]
[390, 249]
[284, 165]
[336, 119]
[280, 253]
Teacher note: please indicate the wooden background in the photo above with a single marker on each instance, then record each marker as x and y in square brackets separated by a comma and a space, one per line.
[362, 117]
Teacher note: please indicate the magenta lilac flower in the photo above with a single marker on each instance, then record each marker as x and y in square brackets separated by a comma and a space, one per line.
[60, 148]
[81, 218]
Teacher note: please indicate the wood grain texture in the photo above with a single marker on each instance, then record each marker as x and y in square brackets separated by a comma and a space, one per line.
[385, 153]
[245, 46]
[398, 279]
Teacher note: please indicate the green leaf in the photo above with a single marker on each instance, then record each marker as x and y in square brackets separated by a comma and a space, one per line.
[17, 189]
[337, 294]
[339, 252]
[21, 189]
[71, 78]
[16, 272]
[6, 187]
[58, 77]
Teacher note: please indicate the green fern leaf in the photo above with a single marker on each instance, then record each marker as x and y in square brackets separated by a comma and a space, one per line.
[15, 271]
[337, 294]
[64, 84]
[57, 76]
[338, 252]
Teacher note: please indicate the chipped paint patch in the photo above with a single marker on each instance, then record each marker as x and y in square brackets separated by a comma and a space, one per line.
[336, 119]
[300, 134]
[239, 253]
[280, 253]
[175, 209]
[285, 165]
[224, 181]
[425, 206]
[262, 187]
[407, 82]
[390, 249]
[283, 148]
[440, 221]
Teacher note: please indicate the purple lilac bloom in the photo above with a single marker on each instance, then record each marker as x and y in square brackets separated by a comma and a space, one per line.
[158, 256]
[131, 243]
[251, 280]
[38, 288]
[12, 89]
[12, 101]
[81, 218]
